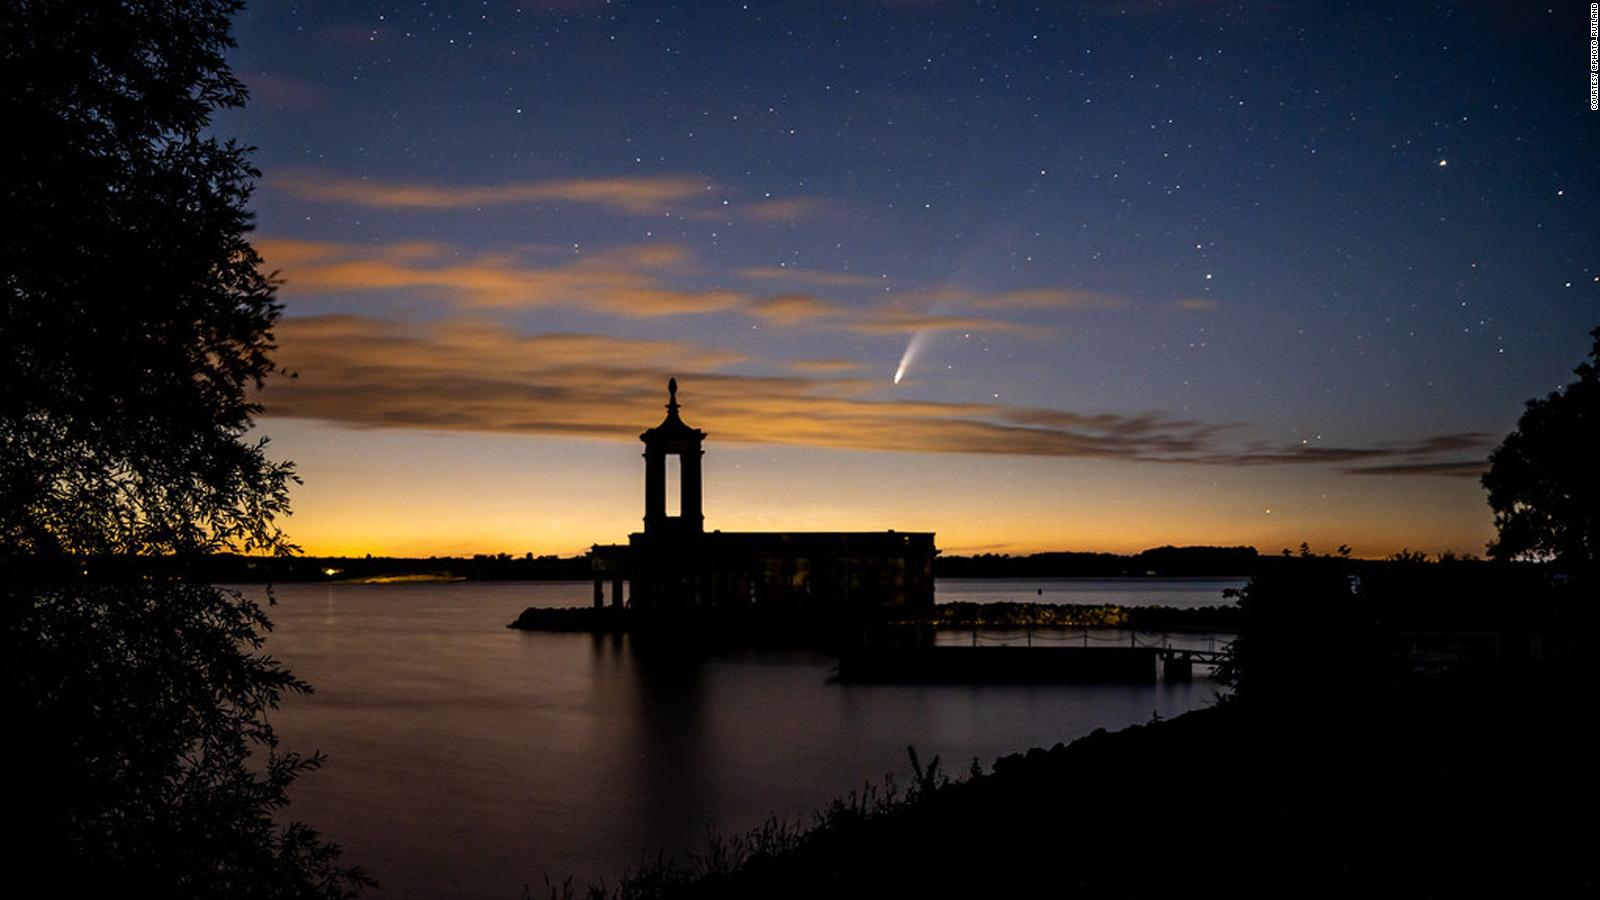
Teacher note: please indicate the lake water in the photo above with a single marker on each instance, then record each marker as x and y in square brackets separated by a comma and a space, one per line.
[467, 760]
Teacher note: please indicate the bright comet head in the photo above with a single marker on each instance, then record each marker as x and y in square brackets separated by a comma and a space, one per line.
[912, 347]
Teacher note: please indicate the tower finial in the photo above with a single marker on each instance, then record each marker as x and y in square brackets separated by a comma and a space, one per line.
[672, 393]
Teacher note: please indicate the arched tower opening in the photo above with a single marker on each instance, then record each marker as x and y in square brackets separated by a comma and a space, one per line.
[673, 441]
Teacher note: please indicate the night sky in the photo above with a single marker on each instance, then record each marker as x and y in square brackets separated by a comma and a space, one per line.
[1182, 272]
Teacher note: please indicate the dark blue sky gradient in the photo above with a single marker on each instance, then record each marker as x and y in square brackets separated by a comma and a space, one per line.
[1390, 207]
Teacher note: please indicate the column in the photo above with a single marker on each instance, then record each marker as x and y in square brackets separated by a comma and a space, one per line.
[689, 506]
[655, 487]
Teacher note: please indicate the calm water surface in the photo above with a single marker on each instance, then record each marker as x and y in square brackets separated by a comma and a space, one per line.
[466, 759]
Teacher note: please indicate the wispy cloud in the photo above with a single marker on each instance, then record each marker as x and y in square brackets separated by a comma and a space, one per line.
[285, 92]
[620, 281]
[369, 372]
[644, 195]
[1195, 304]
[826, 366]
[636, 281]
[379, 373]
[1435, 455]
[792, 309]
[789, 209]
[690, 196]
[639, 256]
[294, 253]
[910, 323]
[1467, 468]
[1036, 298]
[657, 279]
[813, 277]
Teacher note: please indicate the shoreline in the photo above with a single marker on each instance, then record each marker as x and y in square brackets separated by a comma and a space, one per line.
[1377, 793]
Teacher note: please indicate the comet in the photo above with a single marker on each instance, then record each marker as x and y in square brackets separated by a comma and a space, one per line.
[912, 347]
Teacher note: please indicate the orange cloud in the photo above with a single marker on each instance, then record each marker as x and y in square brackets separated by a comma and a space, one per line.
[470, 376]
[686, 195]
[623, 281]
[607, 282]
[1195, 304]
[792, 309]
[638, 256]
[633, 281]
[280, 252]
[650, 302]
[789, 209]
[637, 195]
[825, 366]
[367, 372]
[289, 252]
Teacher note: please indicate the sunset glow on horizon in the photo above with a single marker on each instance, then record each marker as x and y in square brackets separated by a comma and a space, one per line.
[368, 494]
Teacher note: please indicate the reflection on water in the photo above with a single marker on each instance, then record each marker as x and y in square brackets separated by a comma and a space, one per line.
[465, 759]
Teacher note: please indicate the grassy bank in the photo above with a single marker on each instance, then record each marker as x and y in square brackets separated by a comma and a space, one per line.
[1451, 787]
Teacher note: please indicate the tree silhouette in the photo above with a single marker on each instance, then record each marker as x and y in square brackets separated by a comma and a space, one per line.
[135, 324]
[1543, 482]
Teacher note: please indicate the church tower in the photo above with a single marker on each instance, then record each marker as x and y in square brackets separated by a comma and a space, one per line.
[674, 444]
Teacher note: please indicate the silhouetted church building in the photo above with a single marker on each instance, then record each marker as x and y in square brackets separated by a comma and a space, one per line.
[675, 564]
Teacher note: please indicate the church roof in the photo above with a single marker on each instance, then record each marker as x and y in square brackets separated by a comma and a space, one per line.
[672, 428]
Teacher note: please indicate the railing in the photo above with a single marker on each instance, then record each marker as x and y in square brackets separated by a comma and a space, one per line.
[1422, 649]
[1062, 636]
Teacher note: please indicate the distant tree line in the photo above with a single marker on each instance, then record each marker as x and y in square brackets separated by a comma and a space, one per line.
[1166, 562]
[1163, 562]
[1160, 562]
[230, 568]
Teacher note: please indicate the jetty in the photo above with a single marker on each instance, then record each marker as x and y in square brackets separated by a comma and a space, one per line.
[909, 654]
[1131, 662]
